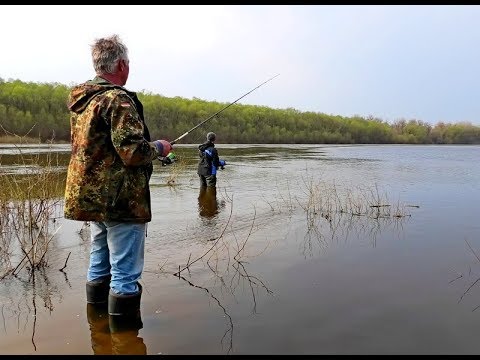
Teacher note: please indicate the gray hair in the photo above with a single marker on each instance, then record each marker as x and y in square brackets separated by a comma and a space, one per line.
[211, 136]
[106, 52]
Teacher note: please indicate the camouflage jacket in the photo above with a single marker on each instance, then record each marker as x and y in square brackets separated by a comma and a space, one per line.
[111, 161]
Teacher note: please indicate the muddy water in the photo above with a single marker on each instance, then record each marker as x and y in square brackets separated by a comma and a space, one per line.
[271, 272]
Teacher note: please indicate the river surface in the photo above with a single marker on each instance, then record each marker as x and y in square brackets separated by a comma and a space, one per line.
[310, 249]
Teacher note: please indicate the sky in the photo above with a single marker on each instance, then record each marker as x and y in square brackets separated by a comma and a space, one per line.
[391, 62]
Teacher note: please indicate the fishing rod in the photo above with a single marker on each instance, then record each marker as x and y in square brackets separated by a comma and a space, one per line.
[218, 112]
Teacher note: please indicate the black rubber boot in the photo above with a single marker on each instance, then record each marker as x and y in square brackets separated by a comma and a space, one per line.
[124, 311]
[97, 291]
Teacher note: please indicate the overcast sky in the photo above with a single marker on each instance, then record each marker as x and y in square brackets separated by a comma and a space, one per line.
[397, 61]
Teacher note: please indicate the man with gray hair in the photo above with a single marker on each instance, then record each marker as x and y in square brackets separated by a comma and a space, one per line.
[209, 162]
[108, 178]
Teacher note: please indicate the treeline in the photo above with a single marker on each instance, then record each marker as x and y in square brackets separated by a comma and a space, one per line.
[39, 110]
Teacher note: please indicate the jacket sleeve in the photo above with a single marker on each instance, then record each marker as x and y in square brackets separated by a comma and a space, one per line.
[128, 130]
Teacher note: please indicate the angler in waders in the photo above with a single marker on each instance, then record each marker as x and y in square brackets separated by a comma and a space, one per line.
[209, 162]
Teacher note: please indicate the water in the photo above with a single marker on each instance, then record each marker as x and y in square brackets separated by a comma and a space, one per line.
[304, 285]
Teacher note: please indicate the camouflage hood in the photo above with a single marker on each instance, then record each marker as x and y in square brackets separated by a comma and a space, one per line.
[81, 95]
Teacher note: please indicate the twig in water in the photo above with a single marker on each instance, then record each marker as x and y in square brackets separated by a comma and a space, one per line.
[64, 266]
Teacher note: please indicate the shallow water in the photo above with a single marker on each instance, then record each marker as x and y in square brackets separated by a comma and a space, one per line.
[304, 284]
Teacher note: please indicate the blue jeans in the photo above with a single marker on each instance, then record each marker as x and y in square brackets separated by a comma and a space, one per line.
[117, 249]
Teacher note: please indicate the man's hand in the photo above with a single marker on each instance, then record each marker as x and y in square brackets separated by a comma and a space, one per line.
[163, 147]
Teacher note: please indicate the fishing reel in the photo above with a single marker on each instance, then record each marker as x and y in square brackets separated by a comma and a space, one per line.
[169, 159]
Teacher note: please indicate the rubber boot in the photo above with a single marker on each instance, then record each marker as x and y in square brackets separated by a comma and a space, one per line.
[97, 291]
[97, 315]
[124, 311]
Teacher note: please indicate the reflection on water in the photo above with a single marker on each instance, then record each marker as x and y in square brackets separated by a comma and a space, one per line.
[281, 266]
[108, 341]
[24, 299]
[226, 266]
[323, 231]
[207, 202]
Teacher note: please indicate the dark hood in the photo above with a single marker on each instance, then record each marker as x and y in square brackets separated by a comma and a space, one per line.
[205, 145]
